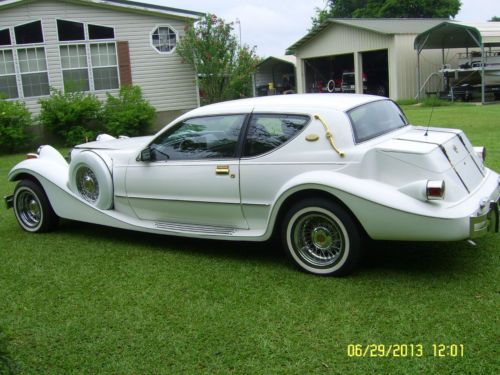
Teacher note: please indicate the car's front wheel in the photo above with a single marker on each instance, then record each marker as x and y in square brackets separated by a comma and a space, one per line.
[32, 208]
[321, 237]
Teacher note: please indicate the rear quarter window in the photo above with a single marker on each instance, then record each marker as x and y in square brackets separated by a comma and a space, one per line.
[376, 118]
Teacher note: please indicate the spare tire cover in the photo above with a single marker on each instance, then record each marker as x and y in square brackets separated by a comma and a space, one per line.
[90, 178]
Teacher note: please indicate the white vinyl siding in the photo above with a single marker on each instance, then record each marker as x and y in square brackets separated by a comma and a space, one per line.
[167, 82]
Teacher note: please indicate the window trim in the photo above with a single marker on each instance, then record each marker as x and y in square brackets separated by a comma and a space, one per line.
[13, 51]
[20, 74]
[10, 37]
[90, 67]
[176, 39]
[13, 32]
[353, 134]
[306, 125]
[237, 153]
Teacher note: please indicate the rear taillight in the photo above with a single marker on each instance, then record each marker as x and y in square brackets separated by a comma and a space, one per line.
[435, 190]
[481, 152]
[31, 155]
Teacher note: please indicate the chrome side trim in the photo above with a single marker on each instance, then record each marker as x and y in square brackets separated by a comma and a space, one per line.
[173, 227]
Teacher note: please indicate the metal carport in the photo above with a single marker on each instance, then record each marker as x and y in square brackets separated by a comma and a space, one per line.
[454, 34]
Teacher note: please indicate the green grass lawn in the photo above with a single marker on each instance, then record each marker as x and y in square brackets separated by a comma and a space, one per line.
[92, 300]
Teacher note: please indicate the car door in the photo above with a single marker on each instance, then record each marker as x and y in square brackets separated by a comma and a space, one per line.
[192, 175]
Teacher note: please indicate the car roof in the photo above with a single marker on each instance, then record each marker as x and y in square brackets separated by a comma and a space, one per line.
[340, 102]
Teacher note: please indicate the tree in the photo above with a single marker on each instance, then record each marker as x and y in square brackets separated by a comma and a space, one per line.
[495, 19]
[387, 9]
[223, 67]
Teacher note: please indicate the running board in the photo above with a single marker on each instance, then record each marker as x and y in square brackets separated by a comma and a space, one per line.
[189, 228]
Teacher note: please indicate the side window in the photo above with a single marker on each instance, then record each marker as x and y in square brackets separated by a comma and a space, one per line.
[214, 137]
[267, 132]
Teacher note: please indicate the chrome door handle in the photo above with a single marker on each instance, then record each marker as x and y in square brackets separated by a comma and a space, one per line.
[222, 169]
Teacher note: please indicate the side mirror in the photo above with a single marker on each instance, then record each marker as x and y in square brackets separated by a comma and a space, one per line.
[145, 155]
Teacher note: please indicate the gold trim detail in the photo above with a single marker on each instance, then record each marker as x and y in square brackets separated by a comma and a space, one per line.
[329, 135]
[312, 137]
[222, 169]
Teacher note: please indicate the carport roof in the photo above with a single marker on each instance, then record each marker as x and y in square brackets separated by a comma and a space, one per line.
[390, 26]
[286, 59]
[454, 34]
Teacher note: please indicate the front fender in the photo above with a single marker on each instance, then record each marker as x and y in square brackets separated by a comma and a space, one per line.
[50, 165]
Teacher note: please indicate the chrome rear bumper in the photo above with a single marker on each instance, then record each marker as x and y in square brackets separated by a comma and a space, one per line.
[487, 220]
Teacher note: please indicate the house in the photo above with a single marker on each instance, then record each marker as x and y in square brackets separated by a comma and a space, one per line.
[95, 46]
[366, 55]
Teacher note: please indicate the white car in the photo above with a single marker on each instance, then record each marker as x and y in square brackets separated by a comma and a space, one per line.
[320, 170]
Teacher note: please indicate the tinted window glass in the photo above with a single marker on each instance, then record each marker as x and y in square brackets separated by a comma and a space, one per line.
[376, 118]
[4, 37]
[266, 132]
[68, 30]
[101, 32]
[214, 137]
[29, 33]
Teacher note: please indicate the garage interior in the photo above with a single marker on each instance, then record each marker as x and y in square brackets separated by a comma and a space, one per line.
[338, 73]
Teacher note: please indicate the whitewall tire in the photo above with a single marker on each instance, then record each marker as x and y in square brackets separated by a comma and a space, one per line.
[321, 237]
[90, 178]
[32, 208]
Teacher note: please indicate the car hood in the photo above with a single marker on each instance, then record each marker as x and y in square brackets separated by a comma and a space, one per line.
[117, 143]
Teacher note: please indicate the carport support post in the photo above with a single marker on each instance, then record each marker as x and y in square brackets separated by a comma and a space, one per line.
[482, 74]
[358, 72]
[418, 75]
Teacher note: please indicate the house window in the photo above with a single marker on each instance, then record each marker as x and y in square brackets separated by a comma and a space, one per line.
[69, 30]
[8, 84]
[100, 32]
[5, 37]
[164, 39]
[104, 66]
[29, 33]
[74, 67]
[33, 68]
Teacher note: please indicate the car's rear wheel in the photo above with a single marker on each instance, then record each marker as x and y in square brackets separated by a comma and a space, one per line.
[321, 237]
[32, 208]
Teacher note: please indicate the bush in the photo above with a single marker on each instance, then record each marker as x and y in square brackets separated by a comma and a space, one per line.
[129, 113]
[15, 119]
[432, 101]
[74, 117]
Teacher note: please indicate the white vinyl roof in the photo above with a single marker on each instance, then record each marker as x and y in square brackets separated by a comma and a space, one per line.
[455, 34]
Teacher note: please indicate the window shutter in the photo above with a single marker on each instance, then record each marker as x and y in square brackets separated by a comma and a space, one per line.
[124, 63]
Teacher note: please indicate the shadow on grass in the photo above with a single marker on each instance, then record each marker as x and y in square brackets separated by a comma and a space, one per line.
[379, 257]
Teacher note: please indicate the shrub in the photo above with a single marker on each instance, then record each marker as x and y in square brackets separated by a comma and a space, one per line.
[432, 101]
[129, 113]
[74, 117]
[15, 120]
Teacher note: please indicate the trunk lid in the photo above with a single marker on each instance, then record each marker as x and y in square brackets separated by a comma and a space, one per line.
[452, 144]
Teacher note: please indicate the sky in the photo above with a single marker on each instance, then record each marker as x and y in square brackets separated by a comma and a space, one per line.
[274, 25]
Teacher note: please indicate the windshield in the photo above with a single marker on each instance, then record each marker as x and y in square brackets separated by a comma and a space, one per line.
[376, 118]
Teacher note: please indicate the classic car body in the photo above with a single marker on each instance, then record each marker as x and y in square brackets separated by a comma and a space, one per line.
[321, 170]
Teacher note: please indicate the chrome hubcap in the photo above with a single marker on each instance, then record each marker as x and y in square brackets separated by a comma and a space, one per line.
[28, 208]
[318, 239]
[87, 185]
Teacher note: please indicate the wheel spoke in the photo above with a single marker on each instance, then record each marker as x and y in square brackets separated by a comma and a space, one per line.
[318, 239]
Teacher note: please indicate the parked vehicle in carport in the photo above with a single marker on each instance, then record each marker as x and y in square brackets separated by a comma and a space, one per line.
[320, 170]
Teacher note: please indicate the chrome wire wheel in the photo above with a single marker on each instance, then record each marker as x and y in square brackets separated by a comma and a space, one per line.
[28, 208]
[318, 239]
[321, 237]
[87, 184]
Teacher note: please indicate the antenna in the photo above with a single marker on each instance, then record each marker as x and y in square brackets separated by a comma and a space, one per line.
[429, 123]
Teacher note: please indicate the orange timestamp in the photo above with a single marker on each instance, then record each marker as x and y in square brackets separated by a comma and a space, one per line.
[405, 350]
